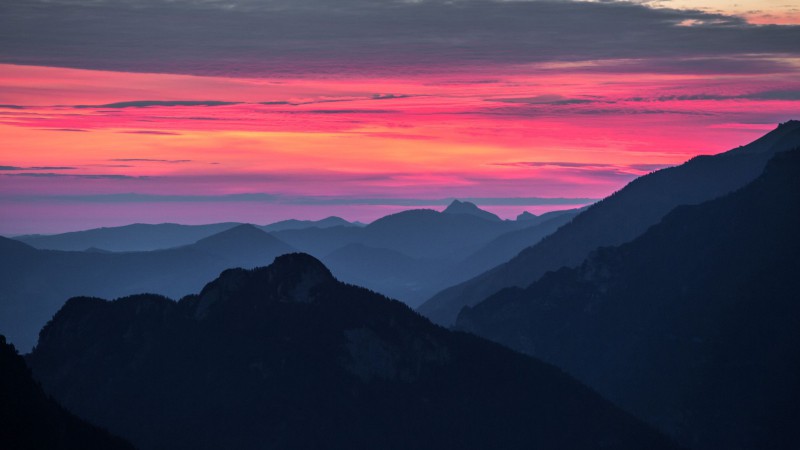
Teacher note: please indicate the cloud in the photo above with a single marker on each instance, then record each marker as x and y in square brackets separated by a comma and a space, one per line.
[37, 168]
[349, 111]
[153, 132]
[548, 99]
[309, 200]
[778, 94]
[170, 161]
[388, 96]
[602, 169]
[151, 103]
[247, 37]
[84, 176]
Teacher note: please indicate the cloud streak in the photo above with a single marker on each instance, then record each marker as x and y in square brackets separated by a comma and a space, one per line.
[302, 200]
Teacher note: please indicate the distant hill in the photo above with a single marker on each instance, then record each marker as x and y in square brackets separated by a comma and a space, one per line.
[294, 224]
[35, 283]
[145, 237]
[694, 326]
[459, 207]
[137, 237]
[619, 218]
[30, 420]
[288, 357]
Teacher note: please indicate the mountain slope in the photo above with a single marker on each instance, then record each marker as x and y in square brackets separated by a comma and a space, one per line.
[31, 420]
[386, 271]
[35, 283]
[288, 357]
[693, 326]
[508, 245]
[620, 218]
[137, 237]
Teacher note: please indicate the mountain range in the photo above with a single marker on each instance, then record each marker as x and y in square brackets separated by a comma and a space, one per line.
[694, 326]
[619, 218]
[286, 356]
[407, 256]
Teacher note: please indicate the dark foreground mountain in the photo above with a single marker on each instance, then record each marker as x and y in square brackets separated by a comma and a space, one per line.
[288, 357]
[694, 326]
[30, 420]
[34, 283]
[620, 218]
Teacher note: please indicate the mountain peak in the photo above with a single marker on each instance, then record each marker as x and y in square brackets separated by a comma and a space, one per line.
[525, 215]
[290, 277]
[459, 207]
[300, 263]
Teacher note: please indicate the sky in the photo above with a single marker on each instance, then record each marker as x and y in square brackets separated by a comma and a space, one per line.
[200, 111]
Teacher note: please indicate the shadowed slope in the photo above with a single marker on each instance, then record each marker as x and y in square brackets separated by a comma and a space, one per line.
[694, 326]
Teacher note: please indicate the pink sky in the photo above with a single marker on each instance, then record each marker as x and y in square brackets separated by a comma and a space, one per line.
[84, 148]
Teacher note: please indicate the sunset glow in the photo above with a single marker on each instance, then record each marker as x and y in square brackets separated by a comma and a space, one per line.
[85, 147]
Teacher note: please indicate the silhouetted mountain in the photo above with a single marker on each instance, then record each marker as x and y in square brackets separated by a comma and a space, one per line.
[247, 243]
[34, 283]
[459, 207]
[129, 238]
[620, 218]
[288, 357]
[525, 215]
[30, 420]
[426, 233]
[294, 224]
[694, 326]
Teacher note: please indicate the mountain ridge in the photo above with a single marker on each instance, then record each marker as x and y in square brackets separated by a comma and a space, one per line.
[619, 218]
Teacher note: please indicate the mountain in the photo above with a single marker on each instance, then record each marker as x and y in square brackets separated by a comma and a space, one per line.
[694, 326]
[31, 420]
[294, 224]
[35, 283]
[508, 245]
[619, 218]
[525, 215]
[129, 238]
[246, 243]
[459, 207]
[386, 271]
[426, 233]
[288, 357]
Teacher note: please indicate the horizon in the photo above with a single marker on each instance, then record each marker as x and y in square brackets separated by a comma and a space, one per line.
[505, 212]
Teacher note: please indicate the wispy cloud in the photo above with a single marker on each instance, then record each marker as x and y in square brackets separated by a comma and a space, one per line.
[170, 161]
[162, 103]
[304, 200]
[83, 176]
